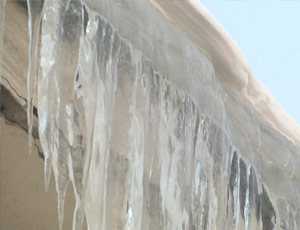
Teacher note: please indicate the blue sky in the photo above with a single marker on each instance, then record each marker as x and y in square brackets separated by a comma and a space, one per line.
[268, 33]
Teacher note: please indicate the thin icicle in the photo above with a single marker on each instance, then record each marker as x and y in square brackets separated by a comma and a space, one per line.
[2, 17]
[247, 199]
[136, 154]
[34, 21]
[236, 197]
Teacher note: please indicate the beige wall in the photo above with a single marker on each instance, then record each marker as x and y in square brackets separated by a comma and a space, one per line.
[24, 203]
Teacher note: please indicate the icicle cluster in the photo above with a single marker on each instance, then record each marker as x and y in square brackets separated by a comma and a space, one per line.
[138, 152]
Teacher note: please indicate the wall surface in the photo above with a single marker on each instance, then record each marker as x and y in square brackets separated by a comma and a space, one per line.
[24, 202]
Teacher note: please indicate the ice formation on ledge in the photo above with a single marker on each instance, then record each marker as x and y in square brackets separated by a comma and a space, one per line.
[141, 151]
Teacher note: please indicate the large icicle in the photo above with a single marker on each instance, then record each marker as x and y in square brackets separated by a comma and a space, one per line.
[58, 124]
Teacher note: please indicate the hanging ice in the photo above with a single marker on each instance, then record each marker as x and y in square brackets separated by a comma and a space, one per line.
[2, 16]
[137, 120]
[34, 14]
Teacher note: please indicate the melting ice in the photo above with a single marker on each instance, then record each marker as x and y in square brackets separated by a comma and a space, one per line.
[138, 151]
[2, 16]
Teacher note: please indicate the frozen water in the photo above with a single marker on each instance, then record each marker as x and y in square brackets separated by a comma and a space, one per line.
[136, 120]
[2, 16]
[34, 14]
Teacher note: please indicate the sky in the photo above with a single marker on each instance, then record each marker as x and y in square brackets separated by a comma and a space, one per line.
[268, 33]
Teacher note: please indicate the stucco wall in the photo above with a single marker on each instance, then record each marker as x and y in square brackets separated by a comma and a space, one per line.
[24, 203]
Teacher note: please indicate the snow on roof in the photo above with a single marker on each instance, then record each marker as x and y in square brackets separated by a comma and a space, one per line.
[230, 65]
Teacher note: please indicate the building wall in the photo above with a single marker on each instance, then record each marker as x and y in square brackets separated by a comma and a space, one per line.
[24, 203]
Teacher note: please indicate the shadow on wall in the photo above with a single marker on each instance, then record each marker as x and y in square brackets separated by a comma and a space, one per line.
[24, 203]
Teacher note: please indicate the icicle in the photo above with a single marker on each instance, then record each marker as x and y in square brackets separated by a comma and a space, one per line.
[47, 102]
[91, 91]
[2, 17]
[247, 200]
[55, 90]
[236, 196]
[34, 20]
[136, 154]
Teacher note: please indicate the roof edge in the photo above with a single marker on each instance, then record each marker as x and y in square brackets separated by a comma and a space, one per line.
[230, 65]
